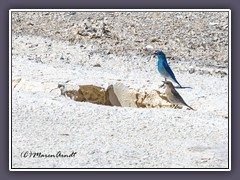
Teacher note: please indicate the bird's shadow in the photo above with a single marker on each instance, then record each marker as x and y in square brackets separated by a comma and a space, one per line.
[179, 87]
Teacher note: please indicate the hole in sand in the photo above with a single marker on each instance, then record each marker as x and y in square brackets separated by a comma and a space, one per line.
[117, 95]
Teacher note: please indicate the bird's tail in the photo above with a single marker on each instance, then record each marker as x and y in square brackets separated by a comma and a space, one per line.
[190, 107]
[175, 80]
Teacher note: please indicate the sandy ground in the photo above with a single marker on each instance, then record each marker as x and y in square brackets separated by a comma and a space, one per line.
[45, 122]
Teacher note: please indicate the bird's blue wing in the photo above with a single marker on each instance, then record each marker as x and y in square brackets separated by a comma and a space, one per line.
[167, 72]
[168, 69]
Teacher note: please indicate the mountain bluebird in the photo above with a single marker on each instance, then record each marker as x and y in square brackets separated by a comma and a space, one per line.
[164, 68]
[173, 96]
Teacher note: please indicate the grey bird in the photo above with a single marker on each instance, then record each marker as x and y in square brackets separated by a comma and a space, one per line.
[173, 96]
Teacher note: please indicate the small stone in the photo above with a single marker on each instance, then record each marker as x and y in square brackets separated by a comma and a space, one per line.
[30, 24]
[97, 65]
[72, 13]
[155, 40]
[148, 48]
[191, 71]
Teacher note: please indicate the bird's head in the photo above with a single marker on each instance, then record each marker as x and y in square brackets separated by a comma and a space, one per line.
[159, 54]
[167, 84]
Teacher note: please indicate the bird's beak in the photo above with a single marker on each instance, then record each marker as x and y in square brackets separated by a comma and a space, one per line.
[154, 54]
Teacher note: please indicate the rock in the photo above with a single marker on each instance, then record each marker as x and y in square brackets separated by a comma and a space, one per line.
[97, 65]
[191, 71]
[117, 95]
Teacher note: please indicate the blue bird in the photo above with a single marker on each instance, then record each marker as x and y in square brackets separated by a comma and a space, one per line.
[164, 68]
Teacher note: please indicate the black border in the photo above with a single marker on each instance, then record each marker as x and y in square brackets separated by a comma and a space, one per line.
[140, 4]
[82, 169]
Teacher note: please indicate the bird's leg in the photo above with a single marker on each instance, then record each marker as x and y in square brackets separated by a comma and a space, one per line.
[175, 106]
[163, 83]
